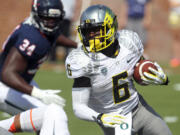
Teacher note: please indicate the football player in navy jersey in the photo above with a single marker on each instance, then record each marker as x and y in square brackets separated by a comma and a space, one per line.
[24, 51]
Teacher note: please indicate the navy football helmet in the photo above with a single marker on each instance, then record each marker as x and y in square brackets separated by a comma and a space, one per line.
[48, 14]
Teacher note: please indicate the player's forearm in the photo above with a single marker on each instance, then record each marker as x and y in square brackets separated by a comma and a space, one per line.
[62, 40]
[84, 112]
[16, 82]
[14, 65]
[80, 98]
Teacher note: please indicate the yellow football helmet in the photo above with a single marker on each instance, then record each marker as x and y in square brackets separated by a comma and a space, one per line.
[98, 28]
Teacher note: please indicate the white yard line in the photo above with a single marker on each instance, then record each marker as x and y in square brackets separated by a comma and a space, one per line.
[171, 119]
[176, 86]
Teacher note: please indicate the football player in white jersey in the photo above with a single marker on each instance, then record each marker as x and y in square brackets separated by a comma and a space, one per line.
[102, 69]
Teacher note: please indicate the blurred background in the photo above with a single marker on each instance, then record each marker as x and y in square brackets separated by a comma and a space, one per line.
[164, 99]
[12, 12]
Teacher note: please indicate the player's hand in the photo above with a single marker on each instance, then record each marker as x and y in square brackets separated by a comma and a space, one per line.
[48, 96]
[110, 119]
[157, 77]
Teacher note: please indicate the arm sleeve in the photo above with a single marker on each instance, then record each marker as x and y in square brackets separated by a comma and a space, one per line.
[80, 98]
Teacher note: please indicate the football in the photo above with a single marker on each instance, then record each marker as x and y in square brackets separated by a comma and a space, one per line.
[141, 67]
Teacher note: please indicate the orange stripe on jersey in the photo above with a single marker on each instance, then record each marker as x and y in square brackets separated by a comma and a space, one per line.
[12, 128]
[32, 120]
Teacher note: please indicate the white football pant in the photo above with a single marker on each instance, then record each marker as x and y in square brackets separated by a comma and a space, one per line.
[49, 120]
[14, 102]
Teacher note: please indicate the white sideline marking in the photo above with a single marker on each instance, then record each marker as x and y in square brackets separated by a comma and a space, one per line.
[5, 115]
[171, 119]
[176, 86]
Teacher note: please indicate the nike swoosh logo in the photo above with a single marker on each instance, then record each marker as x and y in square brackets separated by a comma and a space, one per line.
[129, 60]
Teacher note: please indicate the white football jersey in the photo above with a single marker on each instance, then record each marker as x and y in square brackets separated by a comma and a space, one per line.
[111, 78]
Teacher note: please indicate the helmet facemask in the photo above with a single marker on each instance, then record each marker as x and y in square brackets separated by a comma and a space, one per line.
[49, 25]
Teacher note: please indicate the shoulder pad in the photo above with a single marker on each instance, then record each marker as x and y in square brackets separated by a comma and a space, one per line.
[31, 44]
[131, 41]
[77, 63]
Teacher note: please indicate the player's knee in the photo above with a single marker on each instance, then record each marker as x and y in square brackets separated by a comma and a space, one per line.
[160, 127]
[56, 114]
[56, 111]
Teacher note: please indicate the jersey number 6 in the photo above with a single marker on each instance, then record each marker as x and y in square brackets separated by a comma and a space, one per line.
[120, 90]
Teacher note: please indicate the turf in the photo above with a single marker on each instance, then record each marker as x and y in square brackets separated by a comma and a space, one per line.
[164, 99]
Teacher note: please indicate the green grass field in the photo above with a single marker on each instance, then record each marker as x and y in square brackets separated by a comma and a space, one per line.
[164, 99]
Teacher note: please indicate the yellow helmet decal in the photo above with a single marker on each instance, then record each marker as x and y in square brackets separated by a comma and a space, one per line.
[108, 19]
